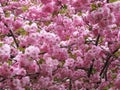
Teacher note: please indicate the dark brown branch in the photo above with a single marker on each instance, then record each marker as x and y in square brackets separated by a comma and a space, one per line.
[11, 31]
[83, 68]
[105, 65]
[105, 71]
[107, 1]
[91, 66]
[41, 53]
[20, 76]
[13, 36]
[3, 79]
[107, 61]
[70, 84]
[97, 40]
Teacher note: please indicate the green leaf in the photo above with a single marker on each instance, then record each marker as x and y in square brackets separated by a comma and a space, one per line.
[94, 70]
[114, 76]
[7, 13]
[64, 6]
[15, 0]
[106, 88]
[21, 31]
[117, 54]
[93, 6]
[9, 62]
[80, 13]
[41, 61]
[63, 9]
[111, 1]
[21, 49]
[28, 88]
[101, 40]
[24, 8]
[1, 44]
[47, 23]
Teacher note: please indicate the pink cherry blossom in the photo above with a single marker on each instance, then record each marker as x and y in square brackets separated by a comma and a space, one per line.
[59, 44]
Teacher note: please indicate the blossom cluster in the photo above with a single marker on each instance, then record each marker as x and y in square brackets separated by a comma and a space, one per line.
[59, 44]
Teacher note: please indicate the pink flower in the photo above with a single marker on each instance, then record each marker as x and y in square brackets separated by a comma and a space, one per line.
[5, 70]
[17, 71]
[117, 82]
[69, 62]
[3, 1]
[48, 8]
[17, 24]
[46, 1]
[25, 81]
[5, 52]
[119, 36]
[32, 52]
[78, 74]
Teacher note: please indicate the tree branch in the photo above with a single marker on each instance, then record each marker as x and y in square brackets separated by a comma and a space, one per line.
[70, 84]
[13, 36]
[91, 66]
[3, 79]
[107, 1]
[97, 40]
[107, 61]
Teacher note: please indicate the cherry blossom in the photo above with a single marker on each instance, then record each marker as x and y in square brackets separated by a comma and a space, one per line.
[59, 44]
